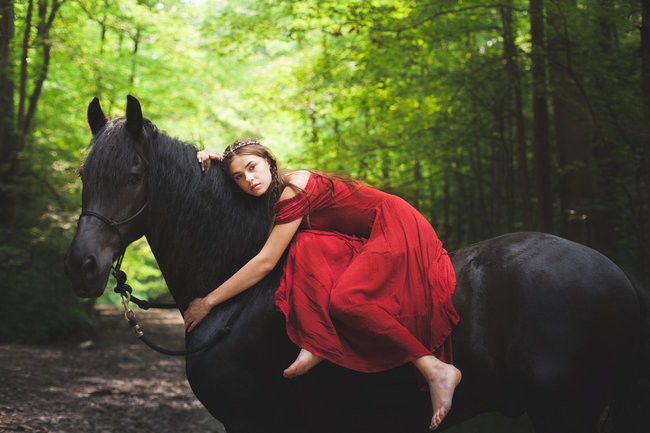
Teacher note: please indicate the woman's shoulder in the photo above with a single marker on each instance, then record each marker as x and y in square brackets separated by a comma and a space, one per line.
[299, 178]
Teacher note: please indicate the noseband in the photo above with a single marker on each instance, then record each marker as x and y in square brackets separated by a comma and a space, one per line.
[113, 225]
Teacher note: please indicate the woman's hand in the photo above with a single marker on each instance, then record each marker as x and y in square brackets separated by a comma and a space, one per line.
[205, 156]
[197, 310]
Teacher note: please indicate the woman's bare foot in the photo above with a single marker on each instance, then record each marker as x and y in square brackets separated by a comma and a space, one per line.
[303, 363]
[442, 380]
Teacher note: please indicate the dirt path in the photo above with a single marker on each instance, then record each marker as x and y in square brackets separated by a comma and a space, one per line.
[117, 385]
[120, 385]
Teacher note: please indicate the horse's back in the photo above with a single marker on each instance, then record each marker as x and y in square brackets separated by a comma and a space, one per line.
[542, 318]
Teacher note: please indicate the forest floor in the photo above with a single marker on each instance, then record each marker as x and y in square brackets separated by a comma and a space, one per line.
[112, 383]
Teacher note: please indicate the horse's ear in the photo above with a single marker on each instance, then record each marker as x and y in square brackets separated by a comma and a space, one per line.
[134, 120]
[95, 116]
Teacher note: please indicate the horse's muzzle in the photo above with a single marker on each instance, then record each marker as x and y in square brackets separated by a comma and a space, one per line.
[87, 271]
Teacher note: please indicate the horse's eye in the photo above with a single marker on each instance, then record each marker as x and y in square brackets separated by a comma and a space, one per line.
[133, 179]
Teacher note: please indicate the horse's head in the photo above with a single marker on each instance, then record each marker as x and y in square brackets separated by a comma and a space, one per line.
[114, 197]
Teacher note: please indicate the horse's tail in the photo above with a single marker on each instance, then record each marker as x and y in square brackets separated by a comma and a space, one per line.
[631, 407]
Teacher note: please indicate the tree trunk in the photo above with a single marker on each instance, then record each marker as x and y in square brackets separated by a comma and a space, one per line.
[134, 57]
[417, 177]
[645, 83]
[7, 109]
[498, 166]
[475, 160]
[99, 79]
[6, 77]
[611, 158]
[460, 201]
[27, 103]
[541, 148]
[99, 89]
[446, 213]
[45, 21]
[512, 66]
[24, 56]
[573, 128]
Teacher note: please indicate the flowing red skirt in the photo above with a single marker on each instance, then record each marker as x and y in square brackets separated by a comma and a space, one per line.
[370, 301]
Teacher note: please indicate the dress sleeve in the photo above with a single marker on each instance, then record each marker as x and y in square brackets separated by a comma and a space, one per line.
[294, 207]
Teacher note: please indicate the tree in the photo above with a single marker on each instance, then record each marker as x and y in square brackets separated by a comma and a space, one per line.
[6, 87]
[540, 118]
[31, 80]
[573, 127]
[645, 85]
[510, 50]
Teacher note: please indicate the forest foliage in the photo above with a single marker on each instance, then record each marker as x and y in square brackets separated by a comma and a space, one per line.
[489, 117]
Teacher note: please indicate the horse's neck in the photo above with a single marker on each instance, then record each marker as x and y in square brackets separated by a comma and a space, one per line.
[169, 271]
[199, 229]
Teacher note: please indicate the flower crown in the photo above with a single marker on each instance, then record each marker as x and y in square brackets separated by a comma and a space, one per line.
[237, 145]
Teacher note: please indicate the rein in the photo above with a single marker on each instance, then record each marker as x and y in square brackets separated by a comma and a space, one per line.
[125, 292]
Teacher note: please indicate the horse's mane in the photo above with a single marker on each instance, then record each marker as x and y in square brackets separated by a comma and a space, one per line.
[201, 227]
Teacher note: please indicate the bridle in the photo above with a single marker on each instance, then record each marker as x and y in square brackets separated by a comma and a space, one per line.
[121, 287]
[125, 291]
[114, 225]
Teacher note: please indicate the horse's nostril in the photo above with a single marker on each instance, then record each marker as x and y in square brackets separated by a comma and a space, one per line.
[89, 266]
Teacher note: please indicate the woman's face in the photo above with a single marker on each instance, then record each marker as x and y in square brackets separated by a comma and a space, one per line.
[251, 173]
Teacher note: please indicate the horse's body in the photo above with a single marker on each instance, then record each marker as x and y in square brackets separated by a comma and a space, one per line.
[548, 326]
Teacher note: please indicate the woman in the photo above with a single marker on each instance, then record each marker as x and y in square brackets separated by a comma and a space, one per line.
[367, 284]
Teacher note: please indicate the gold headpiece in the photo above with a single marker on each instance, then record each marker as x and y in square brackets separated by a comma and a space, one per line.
[238, 144]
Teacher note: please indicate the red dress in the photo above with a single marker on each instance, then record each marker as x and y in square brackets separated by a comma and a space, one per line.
[367, 284]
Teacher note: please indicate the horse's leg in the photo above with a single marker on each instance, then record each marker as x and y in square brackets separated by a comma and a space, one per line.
[562, 413]
[258, 422]
[567, 391]
[571, 396]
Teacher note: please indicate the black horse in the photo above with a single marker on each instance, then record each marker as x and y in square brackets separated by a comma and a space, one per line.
[548, 327]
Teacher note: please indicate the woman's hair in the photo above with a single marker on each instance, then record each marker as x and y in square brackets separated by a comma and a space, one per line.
[279, 179]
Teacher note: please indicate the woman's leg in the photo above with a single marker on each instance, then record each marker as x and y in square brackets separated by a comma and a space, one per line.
[303, 363]
[373, 330]
[442, 380]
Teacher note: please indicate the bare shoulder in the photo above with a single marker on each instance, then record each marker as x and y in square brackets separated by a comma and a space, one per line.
[298, 178]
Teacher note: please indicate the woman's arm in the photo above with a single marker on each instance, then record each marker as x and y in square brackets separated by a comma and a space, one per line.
[253, 271]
